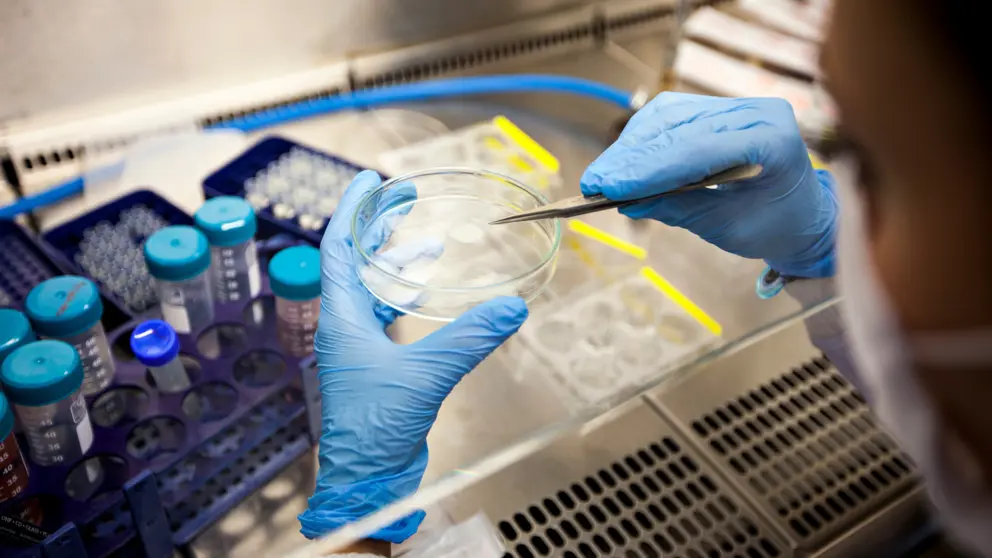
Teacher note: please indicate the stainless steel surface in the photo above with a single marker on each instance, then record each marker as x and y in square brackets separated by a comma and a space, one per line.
[584, 205]
[266, 523]
[629, 486]
[801, 444]
[70, 55]
[621, 476]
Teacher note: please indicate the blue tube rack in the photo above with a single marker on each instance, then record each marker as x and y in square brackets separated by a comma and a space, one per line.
[171, 464]
[230, 179]
[25, 262]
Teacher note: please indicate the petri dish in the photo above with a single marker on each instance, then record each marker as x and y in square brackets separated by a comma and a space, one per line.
[424, 246]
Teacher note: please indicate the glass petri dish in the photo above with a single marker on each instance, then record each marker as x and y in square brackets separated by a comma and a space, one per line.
[424, 245]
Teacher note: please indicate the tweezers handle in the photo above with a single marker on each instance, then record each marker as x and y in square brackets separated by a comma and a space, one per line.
[599, 202]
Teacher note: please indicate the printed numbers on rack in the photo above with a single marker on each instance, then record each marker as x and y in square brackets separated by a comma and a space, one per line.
[8, 469]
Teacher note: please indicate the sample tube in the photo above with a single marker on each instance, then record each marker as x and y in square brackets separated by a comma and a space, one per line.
[14, 331]
[178, 257]
[69, 308]
[13, 470]
[156, 345]
[294, 275]
[229, 224]
[43, 380]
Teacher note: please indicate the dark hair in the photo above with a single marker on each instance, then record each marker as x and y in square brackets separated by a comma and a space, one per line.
[962, 29]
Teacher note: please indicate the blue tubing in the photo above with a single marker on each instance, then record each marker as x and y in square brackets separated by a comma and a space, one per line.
[422, 91]
[427, 90]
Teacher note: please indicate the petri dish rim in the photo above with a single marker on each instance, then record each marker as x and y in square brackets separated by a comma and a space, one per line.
[548, 258]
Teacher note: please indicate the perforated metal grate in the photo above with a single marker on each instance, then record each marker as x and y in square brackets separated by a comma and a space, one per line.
[806, 443]
[656, 501]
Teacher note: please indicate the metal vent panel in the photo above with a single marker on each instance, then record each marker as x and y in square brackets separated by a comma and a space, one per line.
[628, 486]
[802, 444]
[656, 501]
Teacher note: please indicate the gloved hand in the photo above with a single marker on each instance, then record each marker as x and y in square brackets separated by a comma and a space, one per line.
[786, 216]
[379, 398]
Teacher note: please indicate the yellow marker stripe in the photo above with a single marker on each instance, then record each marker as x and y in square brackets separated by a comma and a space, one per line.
[494, 144]
[519, 162]
[584, 256]
[599, 235]
[683, 301]
[817, 162]
[525, 142]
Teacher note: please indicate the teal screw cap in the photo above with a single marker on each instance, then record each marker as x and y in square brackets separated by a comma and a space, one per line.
[177, 253]
[294, 273]
[41, 373]
[64, 306]
[14, 331]
[226, 221]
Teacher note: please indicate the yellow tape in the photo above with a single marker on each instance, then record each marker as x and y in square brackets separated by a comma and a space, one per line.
[521, 163]
[599, 235]
[584, 256]
[683, 301]
[525, 142]
[493, 143]
[817, 162]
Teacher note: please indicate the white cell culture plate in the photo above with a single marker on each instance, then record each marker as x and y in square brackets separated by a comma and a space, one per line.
[599, 343]
[497, 145]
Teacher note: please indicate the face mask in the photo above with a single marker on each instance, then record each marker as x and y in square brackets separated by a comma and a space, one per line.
[884, 357]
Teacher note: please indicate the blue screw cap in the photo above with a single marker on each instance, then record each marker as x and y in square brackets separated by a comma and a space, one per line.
[64, 306]
[177, 253]
[226, 221]
[14, 331]
[155, 343]
[6, 418]
[41, 373]
[294, 273]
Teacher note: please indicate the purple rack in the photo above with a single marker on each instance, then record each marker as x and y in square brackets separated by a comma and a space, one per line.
[25, 262]
[164, 466]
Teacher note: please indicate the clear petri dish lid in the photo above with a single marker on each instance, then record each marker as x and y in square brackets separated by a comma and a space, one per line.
[424, 245]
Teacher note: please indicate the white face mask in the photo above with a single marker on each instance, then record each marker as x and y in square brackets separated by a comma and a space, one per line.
[885, 356]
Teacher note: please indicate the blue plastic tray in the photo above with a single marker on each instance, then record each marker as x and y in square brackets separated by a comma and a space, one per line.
[66, 238]
[169, 471]
[230, 180]
[25, 262]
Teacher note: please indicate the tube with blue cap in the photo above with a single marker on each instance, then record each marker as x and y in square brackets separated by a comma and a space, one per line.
[156, 345]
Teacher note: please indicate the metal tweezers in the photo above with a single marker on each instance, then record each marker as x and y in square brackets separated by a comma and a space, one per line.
[580, 205]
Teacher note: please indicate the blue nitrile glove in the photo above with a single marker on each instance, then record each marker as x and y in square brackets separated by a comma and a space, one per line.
[786, 216]
[379, 398]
